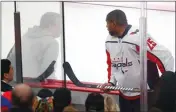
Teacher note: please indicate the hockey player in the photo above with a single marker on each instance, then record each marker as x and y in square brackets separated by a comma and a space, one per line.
[40, 48]
[122, 48]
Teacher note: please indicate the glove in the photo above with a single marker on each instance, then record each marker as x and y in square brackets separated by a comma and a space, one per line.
[47, 72]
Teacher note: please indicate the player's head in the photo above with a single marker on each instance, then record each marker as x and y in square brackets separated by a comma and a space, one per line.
[116, 22]
[51, 21]
[6, 70]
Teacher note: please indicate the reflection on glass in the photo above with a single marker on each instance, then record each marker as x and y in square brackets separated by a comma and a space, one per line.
[40, 46]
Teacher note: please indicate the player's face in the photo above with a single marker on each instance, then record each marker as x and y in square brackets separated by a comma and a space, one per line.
[113, 28]
[56, 29]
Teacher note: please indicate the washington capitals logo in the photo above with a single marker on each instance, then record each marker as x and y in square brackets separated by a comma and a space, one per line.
[117, 65]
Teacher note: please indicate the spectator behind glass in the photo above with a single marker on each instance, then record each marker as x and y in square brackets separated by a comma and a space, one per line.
[110, 104]
[62, 98]
[94, 103]
[22, 98]
[6, 75]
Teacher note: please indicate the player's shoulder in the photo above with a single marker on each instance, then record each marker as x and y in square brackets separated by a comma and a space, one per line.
[111, 38]
[108, 38]
[134, 30]
[132, 35]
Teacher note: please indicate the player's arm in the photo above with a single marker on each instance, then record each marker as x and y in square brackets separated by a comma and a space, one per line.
[48, 61]
[111, 78]
[158, 54]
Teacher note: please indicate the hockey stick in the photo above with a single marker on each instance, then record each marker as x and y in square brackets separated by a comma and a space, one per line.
[68, 70]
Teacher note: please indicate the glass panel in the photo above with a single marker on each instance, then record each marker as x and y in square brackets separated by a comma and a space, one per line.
[161, 26]
[7, 28]
[40, 33]
[86, 34]
[161, 39]
[167, 6]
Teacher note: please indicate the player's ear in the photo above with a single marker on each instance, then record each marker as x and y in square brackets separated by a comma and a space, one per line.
[6, 75]
[114, 23]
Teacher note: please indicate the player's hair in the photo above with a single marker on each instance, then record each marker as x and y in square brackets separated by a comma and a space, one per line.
[118, 16]
[5, 67]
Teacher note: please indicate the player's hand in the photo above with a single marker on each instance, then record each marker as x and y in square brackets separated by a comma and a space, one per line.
[47, 72]
[104, 85]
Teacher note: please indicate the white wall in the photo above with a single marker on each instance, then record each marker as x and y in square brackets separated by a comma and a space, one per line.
[85, 33]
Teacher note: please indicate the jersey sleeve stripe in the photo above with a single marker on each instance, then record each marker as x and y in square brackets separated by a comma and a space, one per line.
[109, 65]
[154, 59]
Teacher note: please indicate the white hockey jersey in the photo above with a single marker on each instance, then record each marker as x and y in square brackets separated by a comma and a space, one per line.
[124, 61]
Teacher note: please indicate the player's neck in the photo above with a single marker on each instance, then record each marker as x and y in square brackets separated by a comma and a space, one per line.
[122, 30]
